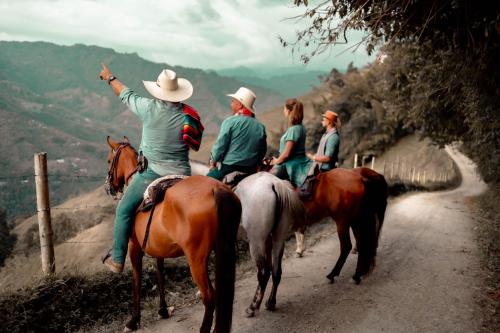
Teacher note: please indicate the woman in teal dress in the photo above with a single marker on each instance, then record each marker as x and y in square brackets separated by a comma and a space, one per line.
[292, 163]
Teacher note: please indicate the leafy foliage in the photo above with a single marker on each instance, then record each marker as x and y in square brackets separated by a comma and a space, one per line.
[443, 74]
[369, 125]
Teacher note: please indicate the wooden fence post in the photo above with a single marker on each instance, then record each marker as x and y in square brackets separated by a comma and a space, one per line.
[355, 160]
[43, 210]
[373, 163]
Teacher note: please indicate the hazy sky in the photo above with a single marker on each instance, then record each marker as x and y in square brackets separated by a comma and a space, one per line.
[194, 33]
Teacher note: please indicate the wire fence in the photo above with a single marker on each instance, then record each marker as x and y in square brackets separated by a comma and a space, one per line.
[29, 179]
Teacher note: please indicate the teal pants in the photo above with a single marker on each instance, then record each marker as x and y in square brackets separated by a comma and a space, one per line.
[226, 169]
[125, 212]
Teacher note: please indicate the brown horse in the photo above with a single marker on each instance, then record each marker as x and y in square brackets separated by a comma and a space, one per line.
[355, 199]
[197, 215]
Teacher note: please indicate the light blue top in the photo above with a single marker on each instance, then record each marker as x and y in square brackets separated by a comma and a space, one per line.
[297, 134]
[241, 141]
[297, 163]
[161, 140]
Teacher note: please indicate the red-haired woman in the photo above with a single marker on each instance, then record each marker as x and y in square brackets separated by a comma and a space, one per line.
[292, 162]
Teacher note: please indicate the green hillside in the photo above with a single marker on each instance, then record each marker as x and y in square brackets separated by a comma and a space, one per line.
[52, 100]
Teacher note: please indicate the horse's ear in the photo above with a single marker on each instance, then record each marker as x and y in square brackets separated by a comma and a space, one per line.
[112, 143]
[126, 139]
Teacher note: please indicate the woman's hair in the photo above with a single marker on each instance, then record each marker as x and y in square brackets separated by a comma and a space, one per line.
[296, 109]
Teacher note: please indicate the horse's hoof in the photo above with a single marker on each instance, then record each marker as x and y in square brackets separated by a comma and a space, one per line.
[249, 313]
[127, 329]
[356, 279]
[298, 254]
[354, 251]
[270, 306]
[131, 326]
[331, 277]
[163, 313]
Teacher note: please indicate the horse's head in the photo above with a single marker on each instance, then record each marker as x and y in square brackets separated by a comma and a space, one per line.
[122, 164]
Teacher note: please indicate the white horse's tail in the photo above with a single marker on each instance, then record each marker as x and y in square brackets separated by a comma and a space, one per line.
[289, 204]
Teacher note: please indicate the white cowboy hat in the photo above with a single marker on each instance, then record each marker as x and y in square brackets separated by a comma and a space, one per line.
[169, 88]
[245, 96]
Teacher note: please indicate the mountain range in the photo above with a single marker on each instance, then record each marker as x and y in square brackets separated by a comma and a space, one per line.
[51, 100]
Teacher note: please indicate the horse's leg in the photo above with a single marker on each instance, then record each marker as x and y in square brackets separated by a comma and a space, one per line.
[264, 262]
[299, 238]
[357, 235]
[345, 248]
[136, 254]
[160, 278]
[277, 251]
[199, 270]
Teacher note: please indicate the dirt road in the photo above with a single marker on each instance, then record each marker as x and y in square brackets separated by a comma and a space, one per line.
[426, 278]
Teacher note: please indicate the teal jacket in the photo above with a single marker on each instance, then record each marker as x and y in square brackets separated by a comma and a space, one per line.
[241, 141]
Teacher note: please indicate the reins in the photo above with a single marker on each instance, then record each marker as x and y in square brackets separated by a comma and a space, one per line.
[112, 172]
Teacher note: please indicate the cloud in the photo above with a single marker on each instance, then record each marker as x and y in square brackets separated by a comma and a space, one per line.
[193, 33]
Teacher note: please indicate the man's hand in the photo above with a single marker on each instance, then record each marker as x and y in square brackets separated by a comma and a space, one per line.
[311, 156]
[274, 161]
[211, 164]
[105, 72]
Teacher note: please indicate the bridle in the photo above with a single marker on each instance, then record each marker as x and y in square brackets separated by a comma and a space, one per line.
[113, 169]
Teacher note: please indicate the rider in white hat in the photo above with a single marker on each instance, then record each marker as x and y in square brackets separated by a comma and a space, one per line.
[241, 143]
[161, 143]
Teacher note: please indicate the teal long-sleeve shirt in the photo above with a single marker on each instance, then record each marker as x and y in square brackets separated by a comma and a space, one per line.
[161, 140]
[241, 141]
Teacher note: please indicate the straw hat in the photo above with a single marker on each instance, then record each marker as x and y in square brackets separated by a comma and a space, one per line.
[330, 115]
[245, 96]
[169, 88]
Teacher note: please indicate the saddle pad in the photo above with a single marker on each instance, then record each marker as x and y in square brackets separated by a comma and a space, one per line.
[155, 191]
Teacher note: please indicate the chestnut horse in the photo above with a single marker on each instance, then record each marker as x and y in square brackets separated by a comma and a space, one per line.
[355, 199]
[197, 215]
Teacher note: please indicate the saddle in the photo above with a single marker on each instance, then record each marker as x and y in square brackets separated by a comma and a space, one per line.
[306, 190]
[153, 195]
[155, 192]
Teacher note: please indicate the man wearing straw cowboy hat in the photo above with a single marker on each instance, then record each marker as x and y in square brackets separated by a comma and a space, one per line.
[241, 143]
[162, 145]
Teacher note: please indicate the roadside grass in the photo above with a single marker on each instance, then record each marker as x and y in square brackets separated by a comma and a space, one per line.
[488, 236]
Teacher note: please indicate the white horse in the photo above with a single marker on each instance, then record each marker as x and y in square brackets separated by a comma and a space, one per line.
[270, 209]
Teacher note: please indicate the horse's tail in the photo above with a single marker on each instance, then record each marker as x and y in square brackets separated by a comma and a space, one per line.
[290, 206]
[229, 215]
[372, 218]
